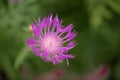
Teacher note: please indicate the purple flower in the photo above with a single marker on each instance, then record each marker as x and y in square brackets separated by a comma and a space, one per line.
[15, 1]
[51, 40]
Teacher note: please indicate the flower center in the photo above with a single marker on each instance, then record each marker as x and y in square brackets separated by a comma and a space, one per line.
[51, 42]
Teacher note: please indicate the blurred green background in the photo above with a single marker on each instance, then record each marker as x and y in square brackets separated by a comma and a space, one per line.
[98, 40]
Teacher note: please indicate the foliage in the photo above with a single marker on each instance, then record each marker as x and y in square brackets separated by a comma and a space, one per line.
[98, 38]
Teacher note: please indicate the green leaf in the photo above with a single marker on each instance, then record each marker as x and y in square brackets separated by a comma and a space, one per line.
[21, 57]
[8, 67]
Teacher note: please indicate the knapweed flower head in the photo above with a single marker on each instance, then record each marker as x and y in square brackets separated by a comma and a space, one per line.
[51, 40]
